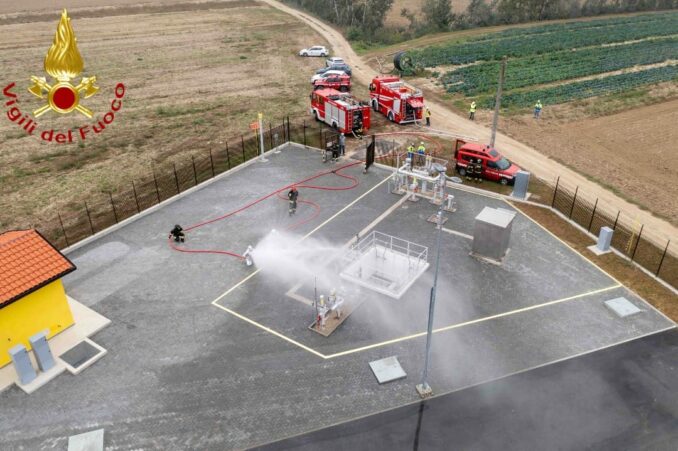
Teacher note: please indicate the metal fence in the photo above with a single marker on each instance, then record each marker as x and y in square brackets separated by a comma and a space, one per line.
[76, 222]
[630, 237]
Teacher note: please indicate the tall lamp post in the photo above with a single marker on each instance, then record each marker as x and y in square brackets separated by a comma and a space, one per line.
[424, 389]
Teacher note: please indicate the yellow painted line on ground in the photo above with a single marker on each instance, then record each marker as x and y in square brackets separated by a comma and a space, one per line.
[475, 321]
[271, 331]
[585, 257]
[234, 287]
[455, 232]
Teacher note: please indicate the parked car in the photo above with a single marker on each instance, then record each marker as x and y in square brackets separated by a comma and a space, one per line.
[316, 50]
[329, 73]
[334, 61]
[345, 68]
[339, 82]
[495, 166]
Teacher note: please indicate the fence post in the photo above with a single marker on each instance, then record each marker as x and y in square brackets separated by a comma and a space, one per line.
[115, 213]
[574, 201]
[228, 157]
[89, 217]
[176, 177]
[555, 192]
[593, 214]
[661, 262]
[157, 191]
[304, 132]
[614, 226]
[270, 135]
[136, 198]
[289, 136]
[63, 229]
[637, 241]
[242, 141]
[211, 162]
[195, 173]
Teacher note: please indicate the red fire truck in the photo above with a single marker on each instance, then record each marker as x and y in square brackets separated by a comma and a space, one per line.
[398, 101]
[340, 82]
[495, 166]
[340, 110]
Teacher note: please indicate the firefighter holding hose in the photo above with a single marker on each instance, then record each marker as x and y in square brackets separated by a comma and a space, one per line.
[292, 195]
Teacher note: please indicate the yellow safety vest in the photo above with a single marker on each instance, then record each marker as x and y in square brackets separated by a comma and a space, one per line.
[473, 107]
[421, 149]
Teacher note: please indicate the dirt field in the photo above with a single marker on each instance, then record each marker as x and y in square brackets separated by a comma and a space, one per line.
[632, 152]
[193, 78]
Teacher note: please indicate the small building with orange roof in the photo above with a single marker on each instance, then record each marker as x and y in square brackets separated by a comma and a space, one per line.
[32, 297]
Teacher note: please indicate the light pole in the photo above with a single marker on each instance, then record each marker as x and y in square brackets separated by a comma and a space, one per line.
[424, 389]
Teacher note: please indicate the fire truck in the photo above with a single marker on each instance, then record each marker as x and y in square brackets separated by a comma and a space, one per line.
[340, 110]
[398, 101]
[495, 166]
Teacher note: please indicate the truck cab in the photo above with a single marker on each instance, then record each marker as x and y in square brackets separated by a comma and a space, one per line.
[496, 167]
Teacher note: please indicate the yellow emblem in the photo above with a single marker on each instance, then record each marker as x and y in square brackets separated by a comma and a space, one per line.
[63, 62]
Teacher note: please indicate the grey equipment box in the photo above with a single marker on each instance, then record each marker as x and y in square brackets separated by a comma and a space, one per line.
[492, 233]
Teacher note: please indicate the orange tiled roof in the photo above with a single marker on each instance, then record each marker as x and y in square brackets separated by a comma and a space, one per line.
[28, 262]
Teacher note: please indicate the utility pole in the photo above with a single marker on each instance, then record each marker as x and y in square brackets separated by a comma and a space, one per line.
[424, 389]
[261, 136]
[497, 101]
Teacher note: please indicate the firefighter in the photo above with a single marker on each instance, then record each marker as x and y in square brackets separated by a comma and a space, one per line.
[472, 111]
[342, 144]
[292, 196]
[537, 109]
[421, 150]
[478, 170]
[410, 153]
[427, 115]
[178, 233]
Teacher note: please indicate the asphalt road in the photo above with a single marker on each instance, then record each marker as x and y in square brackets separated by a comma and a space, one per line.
[622, 397]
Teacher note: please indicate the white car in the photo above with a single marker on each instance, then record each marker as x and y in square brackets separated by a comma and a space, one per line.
[334, 60]
[329, 73]
[316, 50]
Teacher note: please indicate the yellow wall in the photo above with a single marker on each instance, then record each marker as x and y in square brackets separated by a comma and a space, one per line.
[46, 308]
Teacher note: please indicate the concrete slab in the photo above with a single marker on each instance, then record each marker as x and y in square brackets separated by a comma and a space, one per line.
[186, 374]
[387, 370]
[88, 441]
[622, 307]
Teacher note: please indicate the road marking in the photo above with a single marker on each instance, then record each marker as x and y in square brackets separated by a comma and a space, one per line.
[586, 258]
[474, 321]
[454, 232]
[227, 292]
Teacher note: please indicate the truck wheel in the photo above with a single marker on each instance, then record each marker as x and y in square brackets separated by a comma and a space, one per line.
[375, 105]
[334, 125]
[503, 181]
[462, 171]
[390, 116]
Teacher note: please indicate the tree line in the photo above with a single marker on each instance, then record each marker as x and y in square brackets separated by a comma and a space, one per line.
[363, 20]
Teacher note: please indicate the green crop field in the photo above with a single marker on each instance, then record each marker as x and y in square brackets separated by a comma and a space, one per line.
[548, 61]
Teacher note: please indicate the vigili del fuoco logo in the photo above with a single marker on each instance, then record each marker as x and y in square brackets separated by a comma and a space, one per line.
[64, 94]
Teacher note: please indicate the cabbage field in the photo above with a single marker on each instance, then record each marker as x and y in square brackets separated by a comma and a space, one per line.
[545, 55]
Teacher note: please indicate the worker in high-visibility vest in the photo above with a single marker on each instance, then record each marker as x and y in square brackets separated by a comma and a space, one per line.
[472, 111]
[537, 109]
[410, 153]
[421, 151]
[427, 115]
